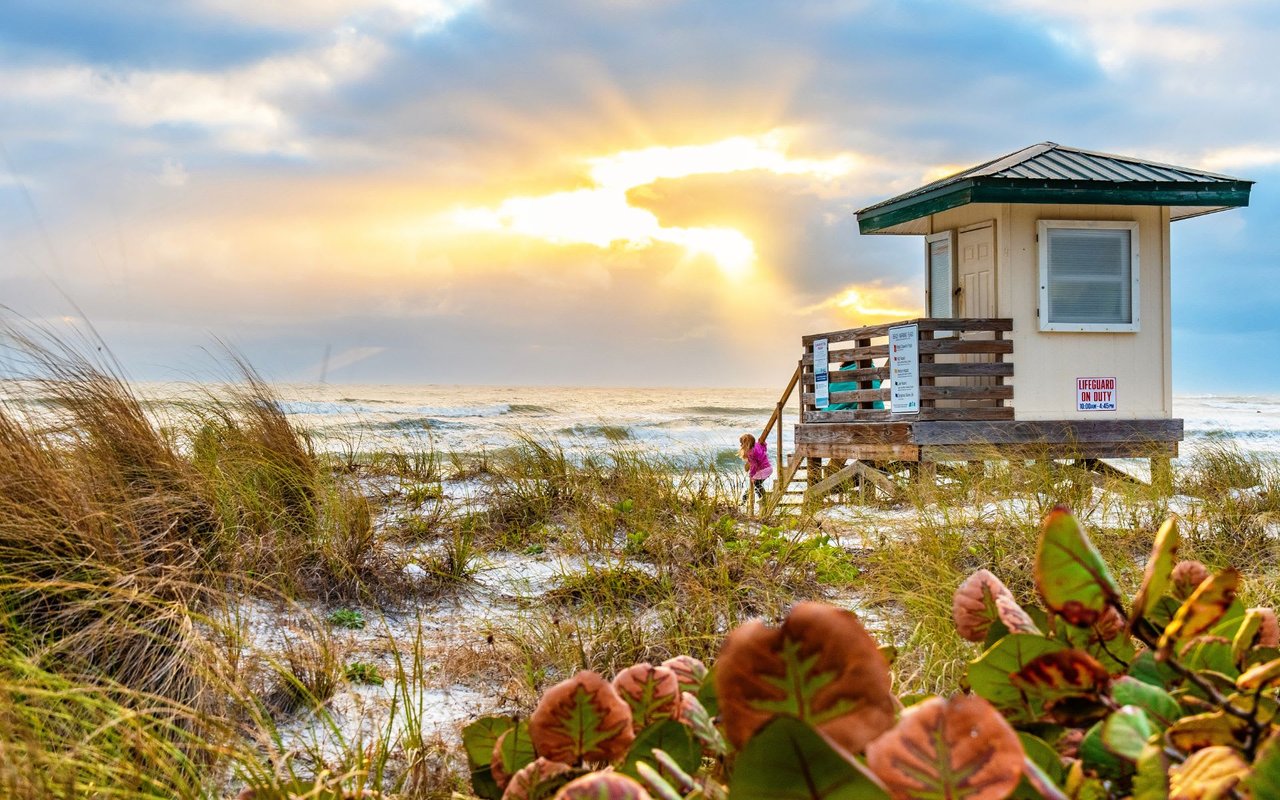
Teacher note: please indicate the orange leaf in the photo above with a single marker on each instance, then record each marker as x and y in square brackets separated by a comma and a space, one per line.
[1209, 774]
[960, 748]
[819, 666]
[537, 780]
[981, 600]
[653, 693]
[582, 719]
[1206, 605]
[602, 786]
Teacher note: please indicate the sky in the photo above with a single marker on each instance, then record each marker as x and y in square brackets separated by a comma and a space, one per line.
[585, 192]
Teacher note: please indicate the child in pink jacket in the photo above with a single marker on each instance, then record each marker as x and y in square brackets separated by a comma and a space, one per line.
[756, 458]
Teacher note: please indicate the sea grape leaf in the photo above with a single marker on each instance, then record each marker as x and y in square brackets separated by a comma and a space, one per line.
[1069, 684]
[982, 600]
[653, 693]
[1151, 779]
[602, 786]
[1098, 758]
[1070, 574]
[1264, 778]
[582, 719]
[1157, 576]
[1266, 705]
[1206, 605]
[657, 783]
[1186, 577]
[669, 736]
[1269, 632]
[1125, 732]
[1259, 676]
[819, 666]
[512, 751]
[690, 672]
[1212, 653]
[478, 739]
[1039, 751]
[1245, 636]
[1037, 783]
[787, 759]
[958, 748]
[1100, 640]
[1207, 774]
[537, 780]
[1215, 728]
[989, 674]
[1145, 668]
[706, 693]
[703, 727]
[1162, 710]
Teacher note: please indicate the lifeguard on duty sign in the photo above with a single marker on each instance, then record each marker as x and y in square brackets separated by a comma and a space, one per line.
[1095, 394]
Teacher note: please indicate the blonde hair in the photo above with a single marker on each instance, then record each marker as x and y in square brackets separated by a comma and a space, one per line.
[746, 443]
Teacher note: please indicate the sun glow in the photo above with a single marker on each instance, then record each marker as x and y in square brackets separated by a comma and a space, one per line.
[602, 216]
[872, 304]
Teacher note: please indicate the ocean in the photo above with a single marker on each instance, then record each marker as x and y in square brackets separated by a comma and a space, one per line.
[692, 426]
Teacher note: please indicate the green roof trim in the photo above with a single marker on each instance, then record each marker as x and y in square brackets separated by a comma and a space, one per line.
[1049, 173]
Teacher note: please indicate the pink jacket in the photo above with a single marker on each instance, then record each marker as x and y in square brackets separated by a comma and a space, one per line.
[758, 466]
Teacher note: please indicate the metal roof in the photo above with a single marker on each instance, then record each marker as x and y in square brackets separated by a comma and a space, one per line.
[1053, 173]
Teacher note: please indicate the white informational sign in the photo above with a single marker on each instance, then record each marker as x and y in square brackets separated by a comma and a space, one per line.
[1095, 394]
[904, 369]
[821, 383]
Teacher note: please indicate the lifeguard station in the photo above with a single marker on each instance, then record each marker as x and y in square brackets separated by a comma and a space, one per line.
[1048, 327]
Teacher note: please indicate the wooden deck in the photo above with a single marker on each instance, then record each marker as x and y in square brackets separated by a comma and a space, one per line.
[966, 412]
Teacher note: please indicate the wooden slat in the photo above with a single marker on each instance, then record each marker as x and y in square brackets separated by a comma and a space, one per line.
[856, 432]
[928, 347]
[977, 452]
[864, 451]
[966, 393]
[860, 396]
[998, 369]
[977, 414]
[1050, 431]
[925, 323]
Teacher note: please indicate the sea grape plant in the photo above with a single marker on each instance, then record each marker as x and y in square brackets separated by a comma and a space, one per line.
[1171, 696]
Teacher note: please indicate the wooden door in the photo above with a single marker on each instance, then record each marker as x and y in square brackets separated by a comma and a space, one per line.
[976, 281]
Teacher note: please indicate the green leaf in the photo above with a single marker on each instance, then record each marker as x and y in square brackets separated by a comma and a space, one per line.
[1203, 609]
[517, 748]
[789, 760]
[706, 693]
[1039, 751]
[1264, 780]
[478, 740]
[1146, 669]
[1151, 781]
[1070, 574]
[1097, 758]
[669, 736]
[1244, 637]
[1115, 654]
[1211, 653]
[1155, 580]
[1162, 710]
[1126, 731]
[989, 675]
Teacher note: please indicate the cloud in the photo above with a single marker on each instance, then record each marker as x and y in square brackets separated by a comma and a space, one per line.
[244, 110]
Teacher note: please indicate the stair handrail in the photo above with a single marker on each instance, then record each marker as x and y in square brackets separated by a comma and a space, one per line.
[776, 418]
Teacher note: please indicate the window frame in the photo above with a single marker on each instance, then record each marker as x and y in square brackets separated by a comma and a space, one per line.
[1042, 238]
[950, 238]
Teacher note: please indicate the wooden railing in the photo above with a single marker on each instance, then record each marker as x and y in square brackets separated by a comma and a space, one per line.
[968, 355]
